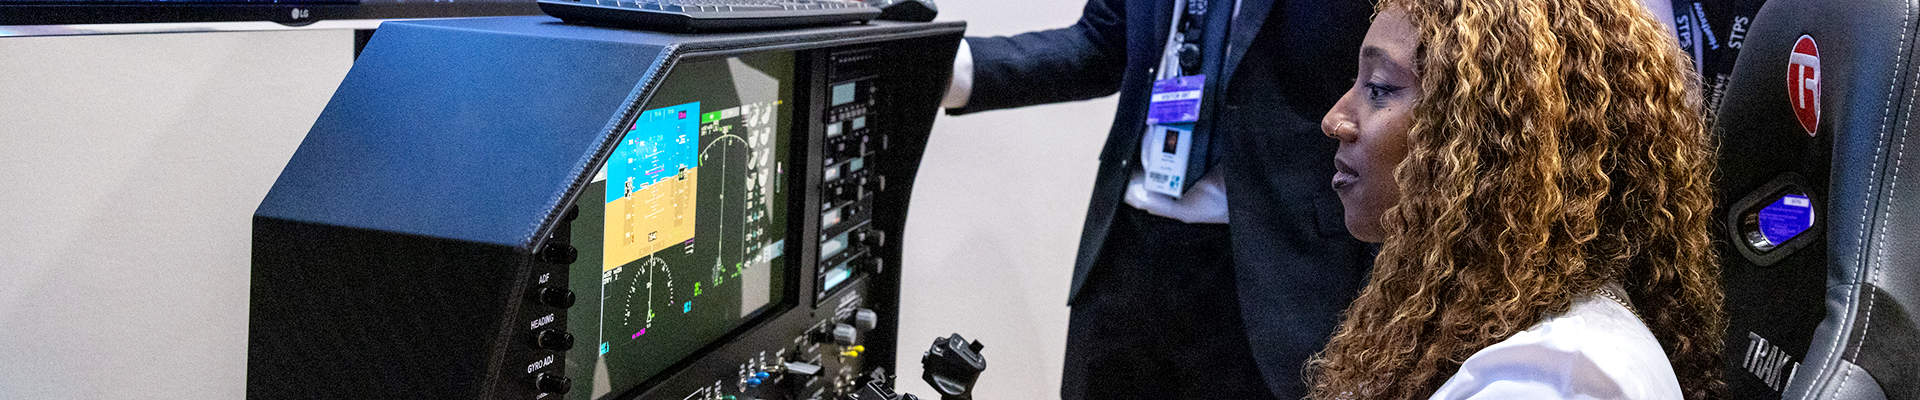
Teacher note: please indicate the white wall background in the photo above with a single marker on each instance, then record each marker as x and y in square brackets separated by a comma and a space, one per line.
[130, 166]
[995, 222]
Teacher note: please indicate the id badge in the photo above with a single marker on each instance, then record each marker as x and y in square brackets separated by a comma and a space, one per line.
[1171, 112]
[1176, 100]
[1165, 153]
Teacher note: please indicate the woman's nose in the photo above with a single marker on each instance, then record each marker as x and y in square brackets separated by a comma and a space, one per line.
[1336, 125]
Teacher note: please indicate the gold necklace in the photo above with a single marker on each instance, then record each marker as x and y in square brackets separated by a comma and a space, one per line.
[1608, 293]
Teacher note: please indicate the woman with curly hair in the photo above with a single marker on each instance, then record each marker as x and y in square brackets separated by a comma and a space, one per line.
[1537, 173]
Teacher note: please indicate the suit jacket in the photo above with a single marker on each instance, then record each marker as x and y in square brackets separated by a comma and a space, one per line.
[1288, 62]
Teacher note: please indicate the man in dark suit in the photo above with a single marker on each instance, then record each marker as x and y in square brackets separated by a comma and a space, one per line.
[1223, 283]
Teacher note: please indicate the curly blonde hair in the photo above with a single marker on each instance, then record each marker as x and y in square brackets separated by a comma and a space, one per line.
[1558, 145]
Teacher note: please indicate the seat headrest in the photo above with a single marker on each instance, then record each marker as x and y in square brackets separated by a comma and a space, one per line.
[1819, 182]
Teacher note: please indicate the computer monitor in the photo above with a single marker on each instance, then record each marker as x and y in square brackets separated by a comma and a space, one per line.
[682, 235]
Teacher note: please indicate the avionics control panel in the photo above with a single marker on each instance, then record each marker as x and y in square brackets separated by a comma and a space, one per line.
[515, 208]
[847, 236]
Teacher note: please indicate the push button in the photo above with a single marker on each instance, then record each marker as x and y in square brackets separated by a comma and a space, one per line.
[873, 238]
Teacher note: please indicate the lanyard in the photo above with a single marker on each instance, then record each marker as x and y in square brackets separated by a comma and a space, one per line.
[1172, 151]
[1183, 55]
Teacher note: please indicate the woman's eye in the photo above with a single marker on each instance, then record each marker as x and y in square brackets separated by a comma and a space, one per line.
[1377, 92]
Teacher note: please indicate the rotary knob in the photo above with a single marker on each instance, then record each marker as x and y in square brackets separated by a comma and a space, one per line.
[559, 253]
[845, 335]
[553, 339]
[865, 319]
[550, 383]
[556, 297]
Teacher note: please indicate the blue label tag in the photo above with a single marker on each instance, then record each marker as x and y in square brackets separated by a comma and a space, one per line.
[1176, 100]
[1786, 218]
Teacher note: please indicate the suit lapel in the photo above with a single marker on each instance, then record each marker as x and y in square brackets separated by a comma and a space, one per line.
[1245, 26]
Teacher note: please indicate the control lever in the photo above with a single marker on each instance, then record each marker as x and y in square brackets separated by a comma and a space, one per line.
[952, 366]
[801, 369]
[876, 388]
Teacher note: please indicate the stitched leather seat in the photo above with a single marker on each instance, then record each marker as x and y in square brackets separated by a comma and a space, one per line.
[1821, 305]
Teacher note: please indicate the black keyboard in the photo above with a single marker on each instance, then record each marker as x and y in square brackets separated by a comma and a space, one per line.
[708, 15]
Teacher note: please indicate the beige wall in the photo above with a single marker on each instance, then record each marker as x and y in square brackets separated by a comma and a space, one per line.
[129, 168]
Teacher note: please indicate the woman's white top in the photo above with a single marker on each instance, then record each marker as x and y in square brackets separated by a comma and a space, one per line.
[1596, 350]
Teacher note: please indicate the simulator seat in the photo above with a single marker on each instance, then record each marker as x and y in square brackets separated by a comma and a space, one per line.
[1819, 186]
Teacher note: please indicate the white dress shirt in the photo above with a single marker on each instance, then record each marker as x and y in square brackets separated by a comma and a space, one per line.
[1597, 350]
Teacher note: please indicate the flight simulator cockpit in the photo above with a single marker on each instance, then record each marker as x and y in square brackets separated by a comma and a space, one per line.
[521, 208]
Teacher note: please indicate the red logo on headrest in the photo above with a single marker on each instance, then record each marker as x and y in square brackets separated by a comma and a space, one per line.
[1803, 83]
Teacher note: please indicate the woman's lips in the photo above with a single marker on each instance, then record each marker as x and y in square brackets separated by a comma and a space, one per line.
[1343, 176]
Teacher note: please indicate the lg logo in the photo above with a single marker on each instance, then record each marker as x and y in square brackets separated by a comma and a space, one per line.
[1803, 83]
[300, 13]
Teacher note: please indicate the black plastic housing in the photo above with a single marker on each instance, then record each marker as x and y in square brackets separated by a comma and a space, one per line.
[400, 253]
